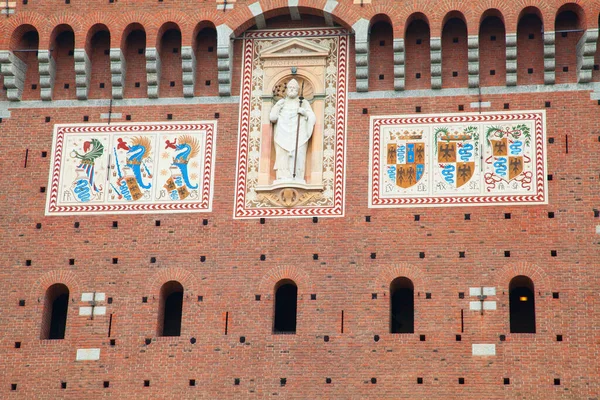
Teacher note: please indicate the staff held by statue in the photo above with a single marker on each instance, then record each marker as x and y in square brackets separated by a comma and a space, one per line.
[298, 130]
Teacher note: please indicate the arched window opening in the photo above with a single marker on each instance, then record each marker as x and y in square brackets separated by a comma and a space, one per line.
[381, 54]
[207, 83]
[26, 48]
[418, 55]
[136, 85]
[171, 309]
[170, 59]
[63, 49]
[522, 305]
[569, 31]
[98, 50]
[492, 52]
[530, 49]
[402, 299]
[455, 57]
[286, 307]
[54, 317]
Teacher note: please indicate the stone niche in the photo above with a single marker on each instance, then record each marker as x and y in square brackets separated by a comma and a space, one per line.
[306, 62]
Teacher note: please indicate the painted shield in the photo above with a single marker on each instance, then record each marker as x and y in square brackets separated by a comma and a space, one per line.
[456, 159]
[508, 157]
[409, 159]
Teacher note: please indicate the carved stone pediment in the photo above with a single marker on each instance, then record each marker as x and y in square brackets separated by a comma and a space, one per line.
[295, 48]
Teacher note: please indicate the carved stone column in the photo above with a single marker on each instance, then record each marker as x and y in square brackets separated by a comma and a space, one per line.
[436, 62]
[549, 58]
[399, 64]
[361, 48]
[118, 68]
[47, 67]
[188, 68]
[83, 72]
[473, 58]
[153, 72]
[13, 70]
[511, 59]
[586, 50]
[224, 58]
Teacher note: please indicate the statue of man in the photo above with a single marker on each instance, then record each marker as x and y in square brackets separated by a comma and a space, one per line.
[291, 117]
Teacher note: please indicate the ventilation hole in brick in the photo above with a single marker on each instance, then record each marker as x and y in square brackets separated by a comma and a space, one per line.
[461, 381]
[106, 52]
[128, 117]
[172, 83]
[550, 177]
[43, 189]
[419, 41]
[207, 83]
[137, 85]
[315, 220]
[192, 382]
[242, 339]
[47, 119]
[71, 261]
[553, 253]
[382, 42]
[556, 381]
[417, 217]
[169, 116]
[455, 40]
[282, 381]
[113, 342]
[530, 70]
[368, 218]
[148, 341]
[565, 69]
[418, 75]
[210, 49]
[373, 296]
[44, 154]
[559, 338]
[193, 340]
[373, 256]
[461, 107]
[106, 384]
[66, 86]
[115, 260]
[428, 295]
[33, 87]
[564, 34]
[202, 258]
[144, 299]
[21, 303]
[455, 73]
[422, 254]
[531, 36]
[76, 225]
[326, 338]
[547, 104]
[109, 300]
[506, 253]
[313, 296]
[17, 345]
[217, 115]
[146, 383]
[381, 77]
[262, 221]
[257, 297]
[28, 263]
[418, 109]
[502, 338]
[506, 381]
[13, 386]
[365, 111]
[376, 338]
[101, 85]
[555, 295]
[263, 257]
[550, 214]
[141, 51]
[421, 338]
[492, 72]
[236, 381]
[419, 381]
[507, 216]
[373, 380]
[328, 380]
[506, 106]
[467, 217]
[115, 224]
[152, 260]
[38, 226]
[458, 338]
[493, 38]
[461, 254]
[597, 67]
[204, 222]
[63, 385]
[461, 295]
[86, 118]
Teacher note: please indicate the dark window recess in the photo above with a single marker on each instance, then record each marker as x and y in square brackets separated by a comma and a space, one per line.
[559, 338]
[106, 384]
[63, 385]
[137, 84]
[286, 302]
[531, 36]
[507, 253]
[455, 40]
[146, 383]
[461, 295]
[381, 77]
[565, 69]
[557, 381]
[419, 381]
[506, 381]
[418, 109]
[402, 299]
[458, 338]
[507, 216]
[522, 305]
[170, 311]
[236, 381]
[418, 75]
[555, 295]
[461, 381]
[422, 338]
[454, 73]
[467, 217]
[101, 85]
[493, 38]
[382, 42]
[461, 107]
[54, 320]
[553, 253]
[530, 70]
[492, 72]
[506, 106]
[419, 41]
[172, 83]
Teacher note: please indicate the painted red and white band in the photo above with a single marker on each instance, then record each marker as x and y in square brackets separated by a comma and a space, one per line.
[377, 123]
[203, 205]
[337, 208]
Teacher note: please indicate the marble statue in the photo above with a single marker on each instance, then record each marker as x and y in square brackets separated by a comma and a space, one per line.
[292, 118]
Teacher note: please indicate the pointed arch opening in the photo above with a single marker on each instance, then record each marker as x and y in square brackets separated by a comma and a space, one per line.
[54, 316]
[402, 306]
[522, 305]
[286, 307]
[170, 309]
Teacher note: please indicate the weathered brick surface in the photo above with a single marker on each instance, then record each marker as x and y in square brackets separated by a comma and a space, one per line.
[343, 278]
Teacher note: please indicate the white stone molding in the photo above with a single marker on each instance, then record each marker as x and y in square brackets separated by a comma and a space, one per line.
[330, 5]
[361, 47]
[188, 69]
[473, 60]
[549, 58]
[118, 69]
[511, 59]
[83, 72]
[436, 62]
[224, 58]
[47, 68]
[399, 64]
[153, 72]
[294, 12]
[13, 70]
[259, 17]
[586, 50]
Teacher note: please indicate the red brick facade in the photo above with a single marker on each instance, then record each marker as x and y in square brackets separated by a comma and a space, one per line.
[343, 333]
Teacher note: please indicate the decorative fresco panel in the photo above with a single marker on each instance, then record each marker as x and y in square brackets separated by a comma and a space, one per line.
[274, 178]
[458, 159]
[132, 168]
